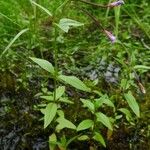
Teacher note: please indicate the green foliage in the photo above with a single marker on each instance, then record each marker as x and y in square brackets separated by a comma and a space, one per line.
[127, 113]
[88, 104]
[60, 91]
[132, 103]
[42, 8]
[98, 137]
[66, 23]
[85, 124]
[104, 120]
[49, 113]
[14, 39]
[106, 78]
[75, 82]
[44, 64]
[52, 141]
[64, 123]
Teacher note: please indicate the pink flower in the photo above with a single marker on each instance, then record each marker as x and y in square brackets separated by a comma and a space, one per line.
[116, 3]
[110, 36]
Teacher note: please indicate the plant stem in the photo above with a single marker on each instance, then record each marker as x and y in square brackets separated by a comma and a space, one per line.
[117, 17]
[98, 24]
[55, 61]
[93, 4]
[55, 51]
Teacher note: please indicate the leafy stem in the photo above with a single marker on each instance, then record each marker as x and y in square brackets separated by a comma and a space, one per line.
[55, 61]
[98, 24]
[93, 4]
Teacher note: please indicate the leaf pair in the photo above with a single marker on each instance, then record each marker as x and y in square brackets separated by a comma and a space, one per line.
[71, 80]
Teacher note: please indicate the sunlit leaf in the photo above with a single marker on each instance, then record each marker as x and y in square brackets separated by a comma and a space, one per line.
[49, 98]
[65, 100]
[103, 100]
[126, 112]
[42, 8]
[49, 113]
[88, 104]
[85, 124]
[60, 91]
[60, 113]
[132, 103]
[83, 138]
[64, 123]
[13, 40]
[43, 64]
[66, 23]
[52, 141]
[104, 120]
[98, 137]
[142, 67]
[75, 82]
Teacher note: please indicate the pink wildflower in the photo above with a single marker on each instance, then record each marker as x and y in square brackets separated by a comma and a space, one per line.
[116, 3]
[110, 36]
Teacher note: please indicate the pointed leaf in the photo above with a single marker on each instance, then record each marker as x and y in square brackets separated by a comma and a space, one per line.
[104, 100]
[83, 138]
[142, 67]
[49, 98]
[66, 23]
[64, 123]
[85, 124]
[60, 113]
[127, 113]
[43, 64]
[52, 141]
[60, 91]
[41, 7]
[49, 113]
[88, 104]
[132, 103]
[98, 137]
[75, 82]
[13, 40]
[65, 100]
[104, 120]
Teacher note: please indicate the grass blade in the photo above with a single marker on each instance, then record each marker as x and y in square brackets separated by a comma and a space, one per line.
[41, 7]
[14, 39]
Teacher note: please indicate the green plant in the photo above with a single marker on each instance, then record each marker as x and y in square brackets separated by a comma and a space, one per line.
[52, 109]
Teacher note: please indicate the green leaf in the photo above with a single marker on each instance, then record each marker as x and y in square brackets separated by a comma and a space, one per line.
[66, 23]
[71, 139]
[52, 141]
[44, 64]
[88, 104]
[49, 98]
[85, 124]
[49, 113]
[126, 112]
[75, 82]
[65, 100]
[13, 40]
[60, 113]
[125, 84]
[103, 100]
[132, 103]
[104, 120]
[83, 138]
[64, 123]
[98, 137]
[60, 91]
[142, 67]
[41, 7]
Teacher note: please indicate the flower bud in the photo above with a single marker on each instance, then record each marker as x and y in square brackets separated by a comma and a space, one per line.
[116, 3]
[110, 36]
